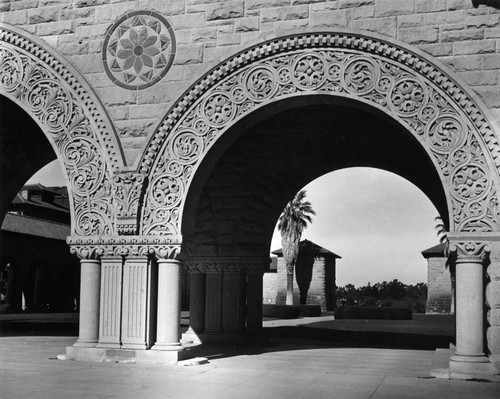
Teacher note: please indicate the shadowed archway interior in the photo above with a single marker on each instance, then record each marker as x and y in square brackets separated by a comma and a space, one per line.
[272, 159]
[24, 150]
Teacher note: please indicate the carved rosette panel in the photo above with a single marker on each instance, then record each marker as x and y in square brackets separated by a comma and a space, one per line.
[128, 189]
[37, 81]
[138, 49]
[418, 95]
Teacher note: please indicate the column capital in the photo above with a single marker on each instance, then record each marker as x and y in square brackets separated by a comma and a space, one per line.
[469, 251]
[163, 247]
[87, 252]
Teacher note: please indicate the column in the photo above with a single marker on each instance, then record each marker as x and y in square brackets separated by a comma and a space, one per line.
[213, 302]
[196, 303]
[110, 302]
[233, 301]
[169, 306]
[136, 303]
[254, 301]
[89, 303]
[469, 359]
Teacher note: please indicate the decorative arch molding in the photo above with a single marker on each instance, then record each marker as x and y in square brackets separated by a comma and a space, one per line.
[56, 96]
[405, 84]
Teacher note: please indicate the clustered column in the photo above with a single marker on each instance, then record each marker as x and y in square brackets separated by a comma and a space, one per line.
[225, 297]
[130, 294]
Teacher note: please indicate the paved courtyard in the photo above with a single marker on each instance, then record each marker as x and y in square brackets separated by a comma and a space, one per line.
[282, 369]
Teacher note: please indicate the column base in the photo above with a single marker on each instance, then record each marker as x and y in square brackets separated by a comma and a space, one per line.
[123, 355]
[172, 347]
[190, 337]
[141, 346]
[495, 363]
[470, 367]
[108, 345]
[85, 344]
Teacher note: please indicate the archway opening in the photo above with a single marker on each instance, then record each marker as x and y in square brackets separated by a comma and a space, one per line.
[370, 255]
[245, 180]
[263, 160]
[38, 271]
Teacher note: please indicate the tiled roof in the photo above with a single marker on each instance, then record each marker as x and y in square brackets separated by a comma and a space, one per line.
[308, 247]
[435, 251]
[35, 227]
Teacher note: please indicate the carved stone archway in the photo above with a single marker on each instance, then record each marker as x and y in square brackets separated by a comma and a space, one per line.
[56, 96]
[402, 83]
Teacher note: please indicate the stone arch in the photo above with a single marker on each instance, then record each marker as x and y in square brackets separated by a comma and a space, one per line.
[406, 85]
[56, 96]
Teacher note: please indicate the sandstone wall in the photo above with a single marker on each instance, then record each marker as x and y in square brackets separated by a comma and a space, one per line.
[439, 291]
[465, 39]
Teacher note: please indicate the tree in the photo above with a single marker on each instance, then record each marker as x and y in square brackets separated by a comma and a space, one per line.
[442, 233]
[291, 224]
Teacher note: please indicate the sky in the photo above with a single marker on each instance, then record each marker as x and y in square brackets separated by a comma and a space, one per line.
[375, 220]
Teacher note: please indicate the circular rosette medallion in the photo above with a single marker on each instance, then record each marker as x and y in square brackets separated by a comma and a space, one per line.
[218, 109]
[138, 49]
[470, 182]
[360, 75]
[446, 133]
[309, 71]
[166, 191]
[261, 82]
[407, 96]
[186, 146]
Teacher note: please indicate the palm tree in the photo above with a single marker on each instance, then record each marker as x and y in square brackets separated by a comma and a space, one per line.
[443, 239]
[291, 224]
[441, 233]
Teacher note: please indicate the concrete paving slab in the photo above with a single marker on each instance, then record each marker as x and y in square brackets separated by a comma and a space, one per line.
[281, 369]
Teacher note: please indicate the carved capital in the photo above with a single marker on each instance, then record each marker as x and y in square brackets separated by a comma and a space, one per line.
[469, 252]
[87, 252]
[166, 251]
[163, 247]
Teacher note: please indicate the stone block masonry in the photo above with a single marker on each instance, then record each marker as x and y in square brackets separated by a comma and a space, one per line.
[465, 39]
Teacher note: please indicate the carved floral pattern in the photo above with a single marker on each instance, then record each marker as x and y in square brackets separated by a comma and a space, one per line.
[128, 188]
[138, 49]
[52, 95]
[228, 265]
[407, 96]
[406, 87]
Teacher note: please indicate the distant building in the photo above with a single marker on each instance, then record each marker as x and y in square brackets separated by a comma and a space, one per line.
[439, 283]
[314, 278]
[36, 263]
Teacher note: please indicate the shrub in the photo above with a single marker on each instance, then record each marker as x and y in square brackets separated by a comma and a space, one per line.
[309, 310]
[291, 311]
[280, 311]
[356, 312]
